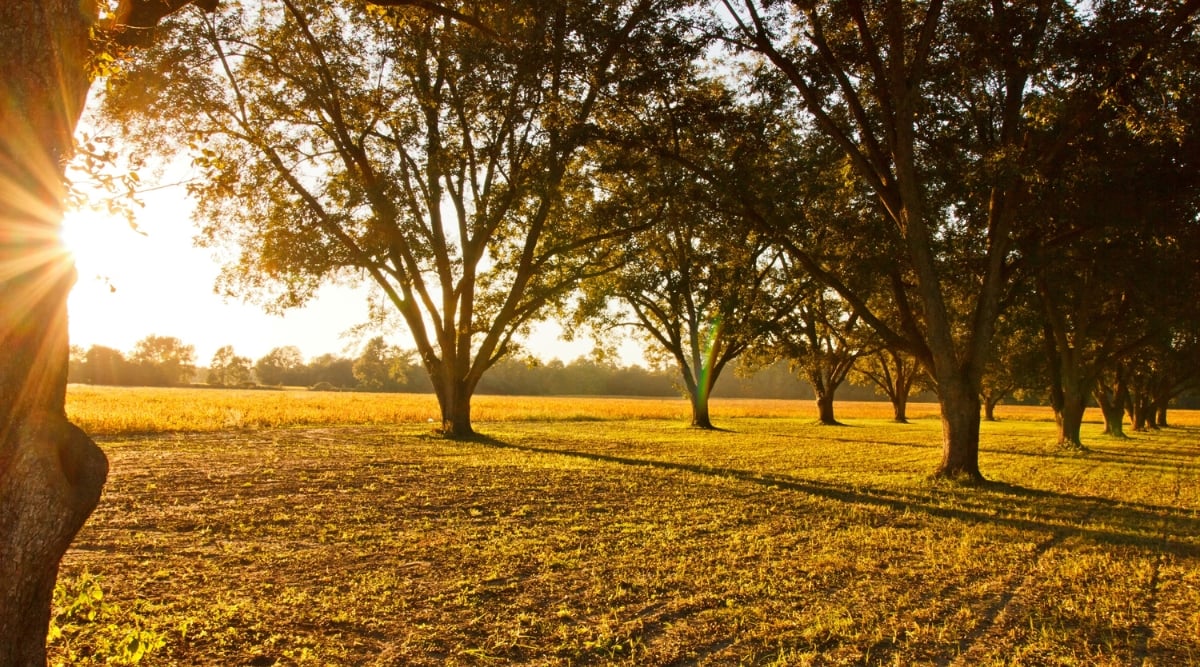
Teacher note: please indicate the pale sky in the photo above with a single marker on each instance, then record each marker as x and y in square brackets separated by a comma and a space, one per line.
[157, 282]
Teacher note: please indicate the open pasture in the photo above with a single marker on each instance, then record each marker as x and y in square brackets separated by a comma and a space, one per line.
[124, 411]
[578, 534]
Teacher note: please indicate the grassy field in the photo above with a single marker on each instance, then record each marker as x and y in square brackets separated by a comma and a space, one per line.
[292, 528]
[115, 411]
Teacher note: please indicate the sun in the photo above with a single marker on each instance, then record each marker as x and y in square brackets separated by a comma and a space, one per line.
[107, 254]
[94, 240]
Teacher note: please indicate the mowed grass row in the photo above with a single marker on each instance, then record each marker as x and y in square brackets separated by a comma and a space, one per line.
[640, 542]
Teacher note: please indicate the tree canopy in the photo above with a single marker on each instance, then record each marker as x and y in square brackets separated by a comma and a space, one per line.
[343, 142]
[918, 166]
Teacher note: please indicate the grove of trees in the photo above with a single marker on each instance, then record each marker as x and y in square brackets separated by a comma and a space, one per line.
[794, 180]
[979, 198]
[447, 169]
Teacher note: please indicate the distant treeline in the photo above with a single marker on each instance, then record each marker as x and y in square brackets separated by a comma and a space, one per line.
[166, 361]
[592, 378]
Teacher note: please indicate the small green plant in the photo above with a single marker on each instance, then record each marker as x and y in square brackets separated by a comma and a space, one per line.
[86, 630]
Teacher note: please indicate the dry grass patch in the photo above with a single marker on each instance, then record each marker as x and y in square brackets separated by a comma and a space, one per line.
[643, 542]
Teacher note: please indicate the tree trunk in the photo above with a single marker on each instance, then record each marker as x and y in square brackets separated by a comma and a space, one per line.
[1160, 416]
[960, 431]
[1069, 418]
[1112, 400]
[1114, 421]
[1142, 413]
[699, 388]
[825, 409]
[51, 482]
[989, 409]
[700, 417]
[454, 399]
[900, 408]
[51, 473]
[1160, 399]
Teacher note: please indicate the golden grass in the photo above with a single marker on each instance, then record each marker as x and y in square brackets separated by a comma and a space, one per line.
[120, 410]
[640, 541]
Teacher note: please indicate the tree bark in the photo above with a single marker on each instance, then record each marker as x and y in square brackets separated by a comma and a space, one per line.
[700, 416]
[1160, 415]
[51, 473]
[1112, 399]
[960, 431]
[900, 408]
[699, 378]
[1142, 412]
[454, 399]
[1069, 419]
[51, 482]
[825, 409]
[1114, 421]
[989, 408]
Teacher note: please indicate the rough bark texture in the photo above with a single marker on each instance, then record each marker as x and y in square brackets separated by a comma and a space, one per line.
[825, 409]
[50, 486]
[454, 398]
[51, 474]
[1112, 393]
[960, 432]
[1114, 421]
[1069, 418]
[989, 409]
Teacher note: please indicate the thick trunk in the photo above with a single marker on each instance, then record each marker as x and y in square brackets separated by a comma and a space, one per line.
[1160, 416]
[960, 431]
[1112, 399]
[824, 386]
[989, 409]
[1069, 418]
[456, 421]
[825, 409]
[900, 408]
[1160, 400]
[1142, 412]
[1068, 387]
[51, 474]
[1114, 421]
[51, 482]
[454, 399]
[700, 417]
[699, 389]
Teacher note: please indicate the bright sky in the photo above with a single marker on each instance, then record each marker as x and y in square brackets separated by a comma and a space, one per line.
[157, 282]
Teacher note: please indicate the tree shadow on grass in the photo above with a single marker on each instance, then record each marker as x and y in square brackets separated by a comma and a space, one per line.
[1096, 518]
